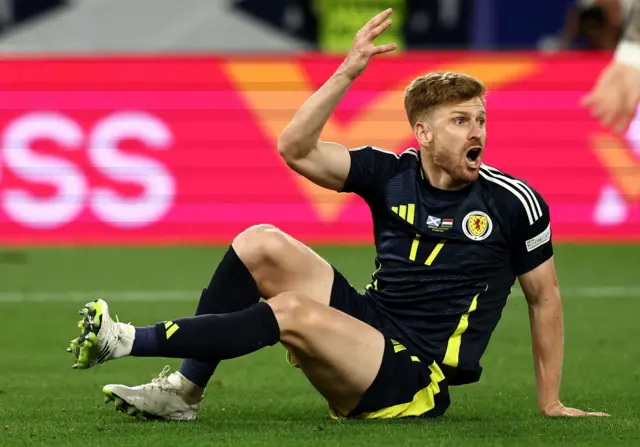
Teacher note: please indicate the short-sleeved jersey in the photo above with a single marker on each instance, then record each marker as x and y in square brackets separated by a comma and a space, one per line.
[446, 260]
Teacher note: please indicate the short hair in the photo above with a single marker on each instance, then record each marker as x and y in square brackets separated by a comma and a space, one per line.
[427, 92]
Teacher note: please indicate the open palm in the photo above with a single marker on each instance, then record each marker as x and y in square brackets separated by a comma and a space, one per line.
[364, 48]
[615, 97]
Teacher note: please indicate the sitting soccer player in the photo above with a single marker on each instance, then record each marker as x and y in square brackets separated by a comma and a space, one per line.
[451, 234]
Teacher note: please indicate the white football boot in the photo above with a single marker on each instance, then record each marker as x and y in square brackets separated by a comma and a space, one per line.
[101, 339]
[170, 397]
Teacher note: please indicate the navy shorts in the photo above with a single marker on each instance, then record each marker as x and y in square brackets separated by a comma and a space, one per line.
[406, 385]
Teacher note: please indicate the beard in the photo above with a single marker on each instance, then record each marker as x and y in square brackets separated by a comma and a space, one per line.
[454, 163]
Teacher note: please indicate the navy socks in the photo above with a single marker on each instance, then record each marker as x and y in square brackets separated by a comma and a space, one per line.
[209, 338]
[232, 288]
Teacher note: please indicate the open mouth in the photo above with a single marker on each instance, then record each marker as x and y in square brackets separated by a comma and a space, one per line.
[473, 155]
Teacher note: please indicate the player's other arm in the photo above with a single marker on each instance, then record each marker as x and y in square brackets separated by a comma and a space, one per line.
[541, 290]
[534, 264]
[326, 163]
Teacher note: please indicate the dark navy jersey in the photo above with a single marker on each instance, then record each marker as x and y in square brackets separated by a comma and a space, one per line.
[446, 260]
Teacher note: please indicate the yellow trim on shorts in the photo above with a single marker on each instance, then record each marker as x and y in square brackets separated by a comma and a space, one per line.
[291, 359]
[422, 402]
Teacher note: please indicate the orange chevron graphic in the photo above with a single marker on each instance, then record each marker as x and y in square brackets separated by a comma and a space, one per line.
[275, 91]
[623, 166]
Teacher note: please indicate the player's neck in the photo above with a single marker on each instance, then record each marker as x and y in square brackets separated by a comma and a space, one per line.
[438, 177]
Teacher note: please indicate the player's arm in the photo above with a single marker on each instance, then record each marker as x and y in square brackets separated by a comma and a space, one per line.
[326, 163]
[616, 94]
[532, 255]
[541, 290]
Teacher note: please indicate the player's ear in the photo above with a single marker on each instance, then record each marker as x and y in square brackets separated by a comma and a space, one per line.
[424, 133]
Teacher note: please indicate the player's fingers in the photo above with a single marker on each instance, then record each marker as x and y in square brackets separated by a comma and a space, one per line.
[607, 116]
[597, 104]
[379, 29]
[580, 413]
[378, 19]
[621, 123]
[626, 114]
[590, 99]
[598, 110]
[384, 48]
[568, 411]
[617, 105]
[587, 100]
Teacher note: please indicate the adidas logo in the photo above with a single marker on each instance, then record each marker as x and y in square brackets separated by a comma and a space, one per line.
[170, 327]
[406, 212]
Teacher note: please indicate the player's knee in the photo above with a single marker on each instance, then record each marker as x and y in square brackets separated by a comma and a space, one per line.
[260, 244]
[296, 315]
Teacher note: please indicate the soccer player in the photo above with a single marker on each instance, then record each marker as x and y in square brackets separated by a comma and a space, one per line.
[616, 95]
[452, 235]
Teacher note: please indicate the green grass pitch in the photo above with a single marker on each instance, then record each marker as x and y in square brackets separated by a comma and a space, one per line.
[260, 400]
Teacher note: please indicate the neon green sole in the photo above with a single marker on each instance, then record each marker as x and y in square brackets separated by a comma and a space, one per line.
[85, 348]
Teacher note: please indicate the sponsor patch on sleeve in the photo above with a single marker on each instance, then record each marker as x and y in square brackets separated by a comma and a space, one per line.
[540, 239]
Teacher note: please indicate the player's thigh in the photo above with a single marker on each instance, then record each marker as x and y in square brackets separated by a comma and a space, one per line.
[280, 263]
[339, 354]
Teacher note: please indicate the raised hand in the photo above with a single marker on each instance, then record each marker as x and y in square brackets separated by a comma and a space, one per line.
[363, 47]
[614, 98]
